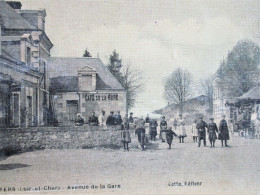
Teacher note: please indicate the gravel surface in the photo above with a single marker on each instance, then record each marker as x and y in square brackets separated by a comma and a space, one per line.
[232, 170]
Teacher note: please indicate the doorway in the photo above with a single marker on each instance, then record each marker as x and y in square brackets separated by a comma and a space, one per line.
[72, 109]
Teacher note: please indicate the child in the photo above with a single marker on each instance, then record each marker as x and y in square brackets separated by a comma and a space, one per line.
[194, 131]
[169, 136]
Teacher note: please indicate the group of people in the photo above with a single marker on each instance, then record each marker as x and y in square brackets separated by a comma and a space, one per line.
[101, 120]
[176, 127]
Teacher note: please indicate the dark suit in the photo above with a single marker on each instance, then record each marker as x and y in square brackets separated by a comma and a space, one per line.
[201, 126]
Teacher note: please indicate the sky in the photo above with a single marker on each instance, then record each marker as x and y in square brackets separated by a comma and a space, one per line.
[155, 37]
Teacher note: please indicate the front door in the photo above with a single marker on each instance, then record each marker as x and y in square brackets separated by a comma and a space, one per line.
[72, 109]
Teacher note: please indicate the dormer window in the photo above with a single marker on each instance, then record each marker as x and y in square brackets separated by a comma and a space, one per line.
[87, 79]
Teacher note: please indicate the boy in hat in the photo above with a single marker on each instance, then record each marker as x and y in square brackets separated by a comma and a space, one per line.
[169, 136]
[212, 130]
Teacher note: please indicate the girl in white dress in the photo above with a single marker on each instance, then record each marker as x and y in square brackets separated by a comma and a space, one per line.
[181, 131]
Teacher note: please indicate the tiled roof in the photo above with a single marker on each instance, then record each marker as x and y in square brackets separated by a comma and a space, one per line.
[64, 84]
[11, 19]
[59, 66]
[253, 94]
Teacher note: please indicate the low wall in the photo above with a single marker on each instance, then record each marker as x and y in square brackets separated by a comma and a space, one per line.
[28, 139]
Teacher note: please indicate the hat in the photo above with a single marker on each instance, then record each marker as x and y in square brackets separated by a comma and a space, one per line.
[131, 113]
[223, 115]
[163, 116]
[211, 119]
[78, 114]
[180, 114]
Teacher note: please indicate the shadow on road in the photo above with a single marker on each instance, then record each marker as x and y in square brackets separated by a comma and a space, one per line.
[12, 166]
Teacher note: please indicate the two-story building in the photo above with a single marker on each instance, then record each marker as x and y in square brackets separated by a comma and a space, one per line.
[24, 77]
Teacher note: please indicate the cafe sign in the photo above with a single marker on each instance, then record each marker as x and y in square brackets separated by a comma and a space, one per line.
[101, 97]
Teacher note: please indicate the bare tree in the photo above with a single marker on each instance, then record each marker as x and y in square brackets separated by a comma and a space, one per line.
[178, 87]
[127, 76]
[206, 88]
[132, 82]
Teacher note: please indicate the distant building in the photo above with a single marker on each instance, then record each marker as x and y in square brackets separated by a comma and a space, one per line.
[191, 109]
[24, 78]
[83, 85]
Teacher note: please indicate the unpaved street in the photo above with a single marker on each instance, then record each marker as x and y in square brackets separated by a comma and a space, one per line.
[233, 170]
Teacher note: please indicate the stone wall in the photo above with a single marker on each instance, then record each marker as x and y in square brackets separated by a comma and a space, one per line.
[28, 139]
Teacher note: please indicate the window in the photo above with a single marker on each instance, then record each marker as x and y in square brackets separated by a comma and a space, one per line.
[28, 56]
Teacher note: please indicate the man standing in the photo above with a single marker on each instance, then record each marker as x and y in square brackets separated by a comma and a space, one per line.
[102, 119]
[201, 126]
[223, 131]
[153, 129]
[93, 120]
[212, 130]
[110, 119]
[140, 132]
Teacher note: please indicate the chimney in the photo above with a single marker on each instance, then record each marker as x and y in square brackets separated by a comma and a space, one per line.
[15, 4]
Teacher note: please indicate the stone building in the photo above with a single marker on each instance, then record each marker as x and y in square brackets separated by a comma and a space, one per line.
[24, 77]
[83, 85]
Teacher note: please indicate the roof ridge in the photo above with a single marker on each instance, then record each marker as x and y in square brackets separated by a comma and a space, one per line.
[15, 22]
[64, 57]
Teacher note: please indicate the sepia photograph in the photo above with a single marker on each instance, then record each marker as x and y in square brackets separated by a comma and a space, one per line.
[130, 97]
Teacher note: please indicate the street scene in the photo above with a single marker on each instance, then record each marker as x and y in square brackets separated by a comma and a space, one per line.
[129, 97]
[220, 170]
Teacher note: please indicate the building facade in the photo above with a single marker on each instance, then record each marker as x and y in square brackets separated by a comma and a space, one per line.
[24, 77]
[83, 85]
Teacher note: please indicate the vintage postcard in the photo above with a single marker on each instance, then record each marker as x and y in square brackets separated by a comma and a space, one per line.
[130, 97]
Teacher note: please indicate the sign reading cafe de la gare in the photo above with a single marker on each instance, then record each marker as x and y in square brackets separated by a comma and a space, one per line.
[86, 85]
[101, 97]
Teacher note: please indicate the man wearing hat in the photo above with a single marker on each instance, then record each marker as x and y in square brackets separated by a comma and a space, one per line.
[223, 131]
[212, 130]
[201, 126]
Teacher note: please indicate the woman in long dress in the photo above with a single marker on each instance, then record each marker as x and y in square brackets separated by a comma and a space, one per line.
[181, 131]
[125, 135]
[163, 126]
